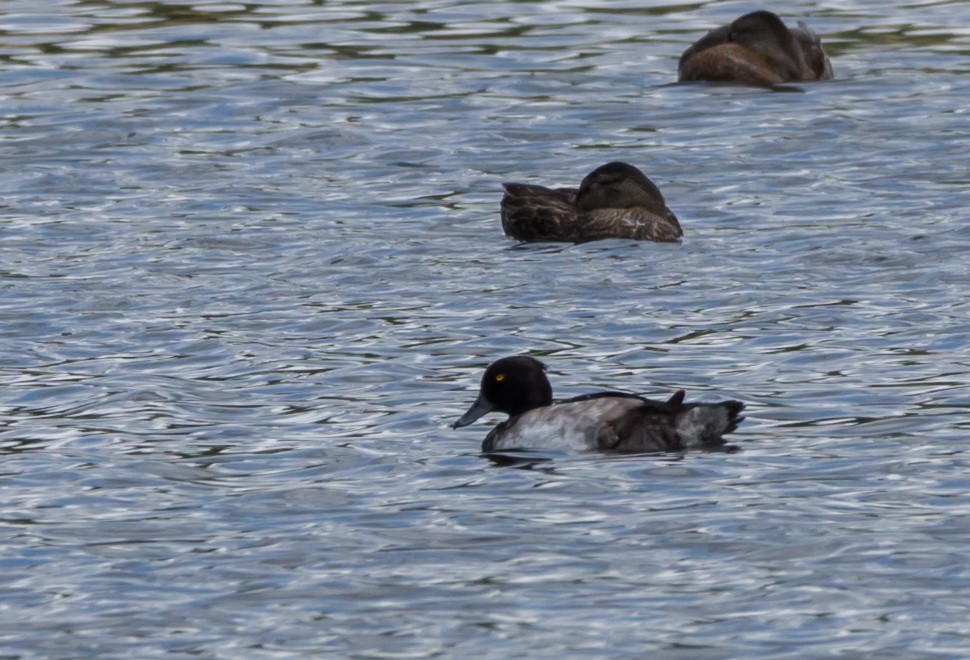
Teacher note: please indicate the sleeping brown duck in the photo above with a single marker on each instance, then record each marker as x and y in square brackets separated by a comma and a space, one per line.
[756, 49]
[615, 200]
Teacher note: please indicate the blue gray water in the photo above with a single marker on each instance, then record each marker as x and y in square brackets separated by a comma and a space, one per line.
[252, 269]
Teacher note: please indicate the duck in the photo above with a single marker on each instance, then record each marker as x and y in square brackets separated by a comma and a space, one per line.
[602, 421]
[616, 200]
[756, 49]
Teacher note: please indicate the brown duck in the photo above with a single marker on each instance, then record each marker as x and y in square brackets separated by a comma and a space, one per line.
[756, 49]
[615, 200]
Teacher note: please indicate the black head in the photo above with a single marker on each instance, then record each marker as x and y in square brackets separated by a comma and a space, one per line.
[764, 32]
[618, 186]
[511, 385]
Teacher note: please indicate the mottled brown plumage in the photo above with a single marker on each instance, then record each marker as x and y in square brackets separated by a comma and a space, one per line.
[756, 49]
[615, 200]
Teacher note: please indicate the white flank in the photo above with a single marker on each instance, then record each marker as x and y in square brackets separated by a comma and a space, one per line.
[564, 426]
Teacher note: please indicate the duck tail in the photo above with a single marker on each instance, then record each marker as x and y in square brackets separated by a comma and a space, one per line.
[705, 424]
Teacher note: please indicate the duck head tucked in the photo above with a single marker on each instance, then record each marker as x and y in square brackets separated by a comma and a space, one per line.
[764, 32]
[619, 185]
[616, 200]
[756, 49]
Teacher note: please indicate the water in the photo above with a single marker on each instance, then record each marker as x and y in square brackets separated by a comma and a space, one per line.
[252, 269]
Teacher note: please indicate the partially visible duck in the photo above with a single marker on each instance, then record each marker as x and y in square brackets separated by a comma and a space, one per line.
[614, 421]
[756, 49]
[615, 200]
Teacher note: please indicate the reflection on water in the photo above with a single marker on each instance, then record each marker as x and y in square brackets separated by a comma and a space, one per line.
[253, 268]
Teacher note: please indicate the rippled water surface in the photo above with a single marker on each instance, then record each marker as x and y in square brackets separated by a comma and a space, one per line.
[252, 269]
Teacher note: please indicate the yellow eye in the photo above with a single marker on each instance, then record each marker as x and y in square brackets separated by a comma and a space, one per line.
[499, 378]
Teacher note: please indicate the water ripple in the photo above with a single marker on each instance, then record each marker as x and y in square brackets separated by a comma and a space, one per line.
[253, 269]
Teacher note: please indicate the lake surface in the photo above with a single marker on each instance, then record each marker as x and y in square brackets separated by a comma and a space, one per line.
[252, 270]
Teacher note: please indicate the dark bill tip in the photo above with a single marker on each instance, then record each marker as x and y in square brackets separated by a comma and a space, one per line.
[478, 409]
